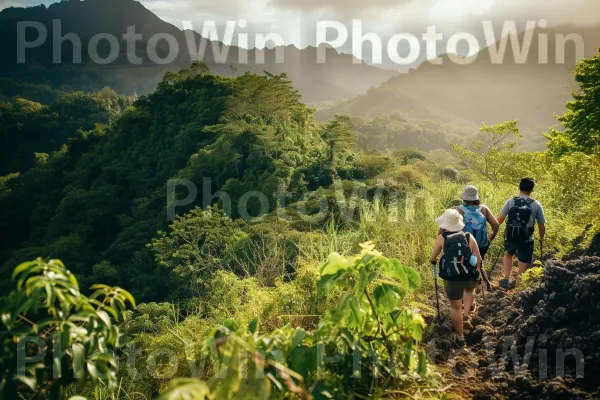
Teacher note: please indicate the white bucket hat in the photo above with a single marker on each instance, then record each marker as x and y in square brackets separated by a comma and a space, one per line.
[470, 194]
[451, 221]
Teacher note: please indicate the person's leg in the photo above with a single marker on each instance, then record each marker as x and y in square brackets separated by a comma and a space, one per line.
[483, 252]
[457, 316]
[525, 257]
[468, 299]
[508, 263]
[522, 268]
[454, 291]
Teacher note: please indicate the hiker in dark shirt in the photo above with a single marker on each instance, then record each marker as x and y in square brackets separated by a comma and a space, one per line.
[521, 213]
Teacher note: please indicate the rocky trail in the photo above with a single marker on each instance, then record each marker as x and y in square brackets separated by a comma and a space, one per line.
[542, 342]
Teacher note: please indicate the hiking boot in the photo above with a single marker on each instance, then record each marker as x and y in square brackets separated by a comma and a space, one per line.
[506, 283]
[460, 341]
[467, 323]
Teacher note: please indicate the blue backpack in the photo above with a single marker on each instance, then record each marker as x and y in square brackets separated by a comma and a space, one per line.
[476, 224]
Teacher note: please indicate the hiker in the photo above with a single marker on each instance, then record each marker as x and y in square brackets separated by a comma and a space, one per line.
[521, 213]
[459, 267]
[476, 217]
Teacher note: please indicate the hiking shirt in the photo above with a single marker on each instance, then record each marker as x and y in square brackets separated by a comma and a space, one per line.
[537, 212]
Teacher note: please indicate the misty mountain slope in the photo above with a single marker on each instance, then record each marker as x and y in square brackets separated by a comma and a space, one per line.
[479, 92]
[335, 80]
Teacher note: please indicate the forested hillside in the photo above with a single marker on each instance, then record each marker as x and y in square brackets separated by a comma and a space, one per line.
[104, 196]
[32, 130]
[218, 242]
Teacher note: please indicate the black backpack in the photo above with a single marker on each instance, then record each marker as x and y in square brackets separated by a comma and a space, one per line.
[456, 261]
[517, 225]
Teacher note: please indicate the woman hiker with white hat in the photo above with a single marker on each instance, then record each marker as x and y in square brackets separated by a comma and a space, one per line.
[459, 268]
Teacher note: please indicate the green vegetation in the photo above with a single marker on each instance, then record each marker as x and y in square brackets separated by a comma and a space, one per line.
[532, 277]
[52, 335]
[366, 338]
[393, 131]
[250, 297]
[30, 130]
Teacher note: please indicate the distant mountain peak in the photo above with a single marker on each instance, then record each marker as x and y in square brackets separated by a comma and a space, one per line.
[335, 80]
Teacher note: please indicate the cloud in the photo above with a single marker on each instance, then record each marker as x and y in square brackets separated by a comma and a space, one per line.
[341, 5]
[555, 11]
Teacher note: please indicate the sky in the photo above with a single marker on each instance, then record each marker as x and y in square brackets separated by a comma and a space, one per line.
[296, 20]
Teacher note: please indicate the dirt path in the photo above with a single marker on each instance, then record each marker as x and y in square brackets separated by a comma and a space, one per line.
[539, 343]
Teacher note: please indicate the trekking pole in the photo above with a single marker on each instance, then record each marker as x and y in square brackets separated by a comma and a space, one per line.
[486, 279]
[437, 296]
[483, 295]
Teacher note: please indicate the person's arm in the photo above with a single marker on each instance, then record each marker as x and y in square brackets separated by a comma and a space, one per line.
[542, 228]
[541, 220]
[493, 223]
[503, 213]
[475, 251]
[437, 249]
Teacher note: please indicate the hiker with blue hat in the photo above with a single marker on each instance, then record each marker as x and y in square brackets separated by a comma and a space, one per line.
[476, 217]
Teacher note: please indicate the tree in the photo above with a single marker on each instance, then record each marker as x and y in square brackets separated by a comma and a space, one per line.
[194, 247]
[582, 119]
[340, 142]
[495, 158]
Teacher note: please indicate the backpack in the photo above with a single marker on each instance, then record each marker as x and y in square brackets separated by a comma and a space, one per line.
[455, 264]
[517, 226]
[476, 225]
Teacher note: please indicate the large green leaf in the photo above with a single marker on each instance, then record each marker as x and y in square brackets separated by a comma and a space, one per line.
[335, 262]
[304, 360]
[228, 380]
[185, 389]
[255, 385]
[366, 275]
[253, 326]
[387, 297]
[414, 279]
[327, 281]
[397, 271]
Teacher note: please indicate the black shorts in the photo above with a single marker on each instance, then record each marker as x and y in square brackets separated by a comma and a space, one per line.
[524, 251]
[456, 289]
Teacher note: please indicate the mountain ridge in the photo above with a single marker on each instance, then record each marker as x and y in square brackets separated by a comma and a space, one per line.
[481, 92]
[337, 79]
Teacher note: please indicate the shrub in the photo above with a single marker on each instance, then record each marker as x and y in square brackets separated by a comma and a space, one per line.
[367, 323]
[533, 277]
[62, 335]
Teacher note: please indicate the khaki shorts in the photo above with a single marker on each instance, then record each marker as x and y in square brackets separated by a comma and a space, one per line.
[455, 289]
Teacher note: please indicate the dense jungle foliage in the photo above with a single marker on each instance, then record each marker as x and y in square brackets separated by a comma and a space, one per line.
[246, 283]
